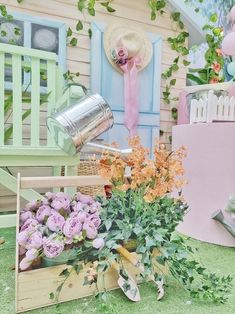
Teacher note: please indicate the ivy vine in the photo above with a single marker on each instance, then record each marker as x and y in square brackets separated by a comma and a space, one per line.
[177, 43]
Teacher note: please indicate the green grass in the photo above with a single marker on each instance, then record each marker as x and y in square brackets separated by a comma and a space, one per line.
[176, 301]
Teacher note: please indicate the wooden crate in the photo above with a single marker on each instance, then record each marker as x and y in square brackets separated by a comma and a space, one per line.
[33, 287]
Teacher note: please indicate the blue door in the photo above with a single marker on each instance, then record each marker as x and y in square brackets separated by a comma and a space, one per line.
[106, 81]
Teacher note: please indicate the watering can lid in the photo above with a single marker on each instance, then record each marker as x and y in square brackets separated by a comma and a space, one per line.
[61, 137]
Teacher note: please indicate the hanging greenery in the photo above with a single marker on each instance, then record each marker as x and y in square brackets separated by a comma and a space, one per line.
[211, 73]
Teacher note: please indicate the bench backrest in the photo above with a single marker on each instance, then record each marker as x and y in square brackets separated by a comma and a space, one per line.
[30, 84]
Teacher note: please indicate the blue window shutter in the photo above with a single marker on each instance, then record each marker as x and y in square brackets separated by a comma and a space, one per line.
[106, 81]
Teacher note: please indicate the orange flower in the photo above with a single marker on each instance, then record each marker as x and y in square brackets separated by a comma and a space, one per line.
[219, 52]
[150, 178]
[216, 67]
[214, 80]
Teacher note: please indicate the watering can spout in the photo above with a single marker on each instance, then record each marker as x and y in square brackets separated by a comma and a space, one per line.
[100, 147]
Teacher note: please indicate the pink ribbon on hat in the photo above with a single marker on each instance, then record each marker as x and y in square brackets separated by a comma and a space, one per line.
[131, 114]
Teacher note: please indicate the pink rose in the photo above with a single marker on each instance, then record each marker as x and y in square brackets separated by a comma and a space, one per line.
[30, 239]
[32, 205]
[52, 247]
[42, 212]
[32, 254]
[25, 215]
[55, 222]
[22, 238]
[84, 199]
[50, 196]
[30, 224]
[91, 231]
[34, 241]
[122, 53]
[61, 201]
[25, 263]
[72, 227]
[95, 207]
[95, 219]
[77, 206]
[22, 250]
[98, 243]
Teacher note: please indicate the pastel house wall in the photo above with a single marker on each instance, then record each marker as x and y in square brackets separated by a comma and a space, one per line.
[78, 58]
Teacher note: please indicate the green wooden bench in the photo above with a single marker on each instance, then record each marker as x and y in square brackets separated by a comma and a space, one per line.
[15, 152]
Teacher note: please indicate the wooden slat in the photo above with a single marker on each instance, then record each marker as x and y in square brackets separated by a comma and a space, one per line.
[2, 73]
[43, 182]
[35, 102]
[17, 99]
[51, 88]
[16, 50]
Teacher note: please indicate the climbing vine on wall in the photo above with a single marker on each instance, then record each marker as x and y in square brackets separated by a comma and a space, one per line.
[157, 7]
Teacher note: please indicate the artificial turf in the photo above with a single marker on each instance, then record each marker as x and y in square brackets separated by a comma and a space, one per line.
[220, 260]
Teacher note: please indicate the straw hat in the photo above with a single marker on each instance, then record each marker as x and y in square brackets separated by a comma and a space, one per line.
[132, 38]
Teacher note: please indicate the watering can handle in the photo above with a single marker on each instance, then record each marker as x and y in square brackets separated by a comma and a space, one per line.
[85, 90]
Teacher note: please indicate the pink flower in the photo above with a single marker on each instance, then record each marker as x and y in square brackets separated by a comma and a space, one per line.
[95, 207]
[216, 67]
[52, 247]
[25, 215]
[32, 205]
[43, 212]
[61, 201]
[25, 263]
[121, 62]
[219, 52]
[22, 250]
[214, 80]
[91, 231]
[55, 222]
[95, 219]
[77, 206]
[22, 238]
[72, 227]
[30, 224]
[34, 241]
[98, 243]
[31, 254]
[84, 199]
[122, 53]
[50, 196]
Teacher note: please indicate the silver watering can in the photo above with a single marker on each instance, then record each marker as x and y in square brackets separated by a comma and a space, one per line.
[76, 125]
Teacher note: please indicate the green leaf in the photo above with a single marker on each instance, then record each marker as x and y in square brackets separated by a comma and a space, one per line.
[91, 11]
[65, 272]
[195, 79]
[79, 26]
[153, 15]
[51, 296]
[214, 18]
[173, 82]
[59, 288]
[161, 260]
[174, 113]
[81, 5]
[73, 42]
[186, 63]
[108, 224]
[110, 9]
[69, 32]
[77, 268]
[90, 32]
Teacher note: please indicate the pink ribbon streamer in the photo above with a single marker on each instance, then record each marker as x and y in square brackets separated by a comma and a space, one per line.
[131, 94]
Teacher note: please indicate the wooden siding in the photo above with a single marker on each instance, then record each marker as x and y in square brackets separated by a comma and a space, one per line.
[130, 11]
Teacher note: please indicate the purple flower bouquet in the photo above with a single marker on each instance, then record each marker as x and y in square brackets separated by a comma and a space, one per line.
[52, 226]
